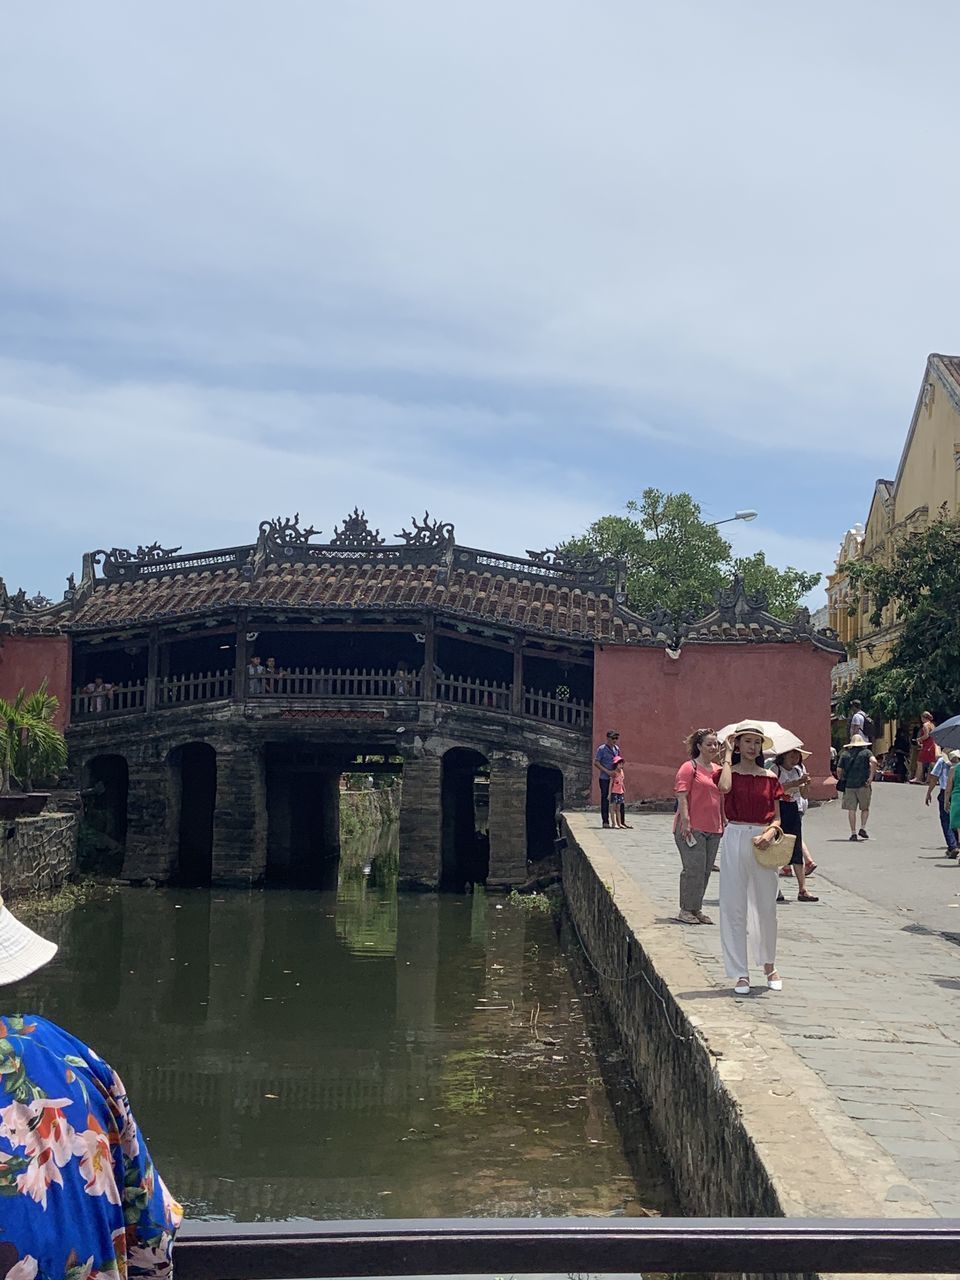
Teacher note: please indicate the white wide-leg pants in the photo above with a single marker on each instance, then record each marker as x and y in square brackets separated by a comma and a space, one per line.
[748, 902]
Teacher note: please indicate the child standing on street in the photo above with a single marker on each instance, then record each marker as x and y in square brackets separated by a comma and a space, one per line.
[618, 801]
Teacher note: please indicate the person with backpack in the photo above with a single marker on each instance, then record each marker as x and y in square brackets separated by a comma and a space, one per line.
[860, 722]
[856, 770]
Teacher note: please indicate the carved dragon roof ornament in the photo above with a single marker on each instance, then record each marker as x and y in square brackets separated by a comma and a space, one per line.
[287, 532]
[428, 533]
[356, 532]
[142, 555]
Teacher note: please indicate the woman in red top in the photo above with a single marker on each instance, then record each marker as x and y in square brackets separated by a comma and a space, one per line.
[926, 747]
[698, 825]
[748, 892]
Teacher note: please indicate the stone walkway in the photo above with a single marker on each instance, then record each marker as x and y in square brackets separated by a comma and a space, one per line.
[870, 998]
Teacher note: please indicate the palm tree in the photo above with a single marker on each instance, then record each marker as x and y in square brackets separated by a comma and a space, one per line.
[31, 746]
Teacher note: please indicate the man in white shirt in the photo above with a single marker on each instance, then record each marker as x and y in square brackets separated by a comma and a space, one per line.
[938, 776]
[857, 719]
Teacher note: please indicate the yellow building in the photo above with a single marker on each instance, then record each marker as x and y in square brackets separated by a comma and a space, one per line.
[839, 617]
[927, 479]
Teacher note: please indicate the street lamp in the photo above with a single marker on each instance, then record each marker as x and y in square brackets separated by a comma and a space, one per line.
[741, 515]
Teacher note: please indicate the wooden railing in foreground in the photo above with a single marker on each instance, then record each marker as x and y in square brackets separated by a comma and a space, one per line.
[505, 1246]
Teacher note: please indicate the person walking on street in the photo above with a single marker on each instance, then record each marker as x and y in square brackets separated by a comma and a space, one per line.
[748, 891]
[608, 753]
[937, 779]
[951, 796]
[795, 781]
[856, 770]
[698, 826]
[926, 747]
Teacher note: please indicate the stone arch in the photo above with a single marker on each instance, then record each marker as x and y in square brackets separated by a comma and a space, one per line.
[194, 768]
[464, 801]
[106, 781]
[543, 806]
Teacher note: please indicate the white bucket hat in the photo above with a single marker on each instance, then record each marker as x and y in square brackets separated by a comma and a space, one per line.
[21, 950]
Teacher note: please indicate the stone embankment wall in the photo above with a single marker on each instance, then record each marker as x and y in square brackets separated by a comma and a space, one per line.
[362, 812]
[747, 1127]
[37, 854]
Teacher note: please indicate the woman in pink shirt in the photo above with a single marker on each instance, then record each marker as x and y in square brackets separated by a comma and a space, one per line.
[698, 825]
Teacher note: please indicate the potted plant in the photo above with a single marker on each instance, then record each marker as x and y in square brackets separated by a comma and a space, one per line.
[31, 747]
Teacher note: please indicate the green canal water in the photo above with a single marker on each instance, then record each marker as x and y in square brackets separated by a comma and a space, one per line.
[354, 1053]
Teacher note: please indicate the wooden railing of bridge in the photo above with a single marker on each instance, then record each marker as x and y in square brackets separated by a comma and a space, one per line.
[332, 683]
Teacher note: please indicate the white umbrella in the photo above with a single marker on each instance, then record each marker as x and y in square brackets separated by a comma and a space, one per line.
[781, 739]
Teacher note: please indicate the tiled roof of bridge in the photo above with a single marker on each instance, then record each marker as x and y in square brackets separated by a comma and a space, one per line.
[549, 593]
[488, 596]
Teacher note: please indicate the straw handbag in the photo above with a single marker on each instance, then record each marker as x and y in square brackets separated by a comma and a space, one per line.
[777, 854]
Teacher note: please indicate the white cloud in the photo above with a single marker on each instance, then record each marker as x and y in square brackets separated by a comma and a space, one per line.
[509, 261]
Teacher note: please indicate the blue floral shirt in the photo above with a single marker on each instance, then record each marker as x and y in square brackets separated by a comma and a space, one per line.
[79, 1196]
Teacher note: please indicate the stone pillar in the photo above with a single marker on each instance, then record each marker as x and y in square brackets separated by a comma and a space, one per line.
[328, 785]
[240, 818]
[508, 818]
[153, 816]
[420, 822]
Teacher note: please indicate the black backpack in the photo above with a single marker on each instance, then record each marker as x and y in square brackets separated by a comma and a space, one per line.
[869, 732]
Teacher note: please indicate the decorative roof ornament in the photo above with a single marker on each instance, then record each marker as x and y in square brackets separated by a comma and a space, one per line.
[589, 562]
[356, 532]
[287, 532]
[428, 533]
[733, 603]
[120, 555]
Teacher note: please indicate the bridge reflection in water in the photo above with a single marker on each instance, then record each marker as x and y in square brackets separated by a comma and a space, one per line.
[354, 1053]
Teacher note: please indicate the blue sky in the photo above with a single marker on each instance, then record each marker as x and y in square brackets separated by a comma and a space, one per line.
[511, 263]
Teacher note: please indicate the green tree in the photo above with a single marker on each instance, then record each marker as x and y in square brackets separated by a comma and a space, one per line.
[31, 746]
[923, 580]
[678, 561]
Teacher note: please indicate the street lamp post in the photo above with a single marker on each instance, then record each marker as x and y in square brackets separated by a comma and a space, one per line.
[740, 515]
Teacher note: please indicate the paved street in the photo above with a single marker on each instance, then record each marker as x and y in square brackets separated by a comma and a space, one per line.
[870, 994]
[902, 867]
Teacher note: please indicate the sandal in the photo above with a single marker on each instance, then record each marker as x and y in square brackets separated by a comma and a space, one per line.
[807, 897]
[774, 981]
[688, 917]
[742, 988]
[702, 917]
[810, 868]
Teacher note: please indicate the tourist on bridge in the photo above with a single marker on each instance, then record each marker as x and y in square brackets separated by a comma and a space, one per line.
[80, 1194]
[255, 675]
[608, 753]
[748, 891]
[698, 826]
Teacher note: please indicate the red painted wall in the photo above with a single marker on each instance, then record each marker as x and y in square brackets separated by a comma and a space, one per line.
[655, 701]
[27, 660]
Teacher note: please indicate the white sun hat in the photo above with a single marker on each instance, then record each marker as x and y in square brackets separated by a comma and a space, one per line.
[21, 950]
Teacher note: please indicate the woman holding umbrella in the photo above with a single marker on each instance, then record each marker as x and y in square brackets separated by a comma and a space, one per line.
[748, 891]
